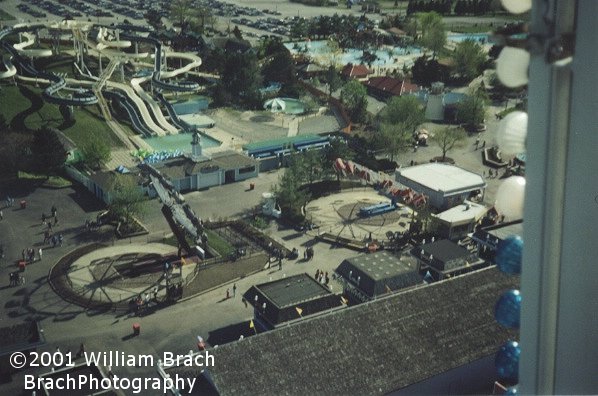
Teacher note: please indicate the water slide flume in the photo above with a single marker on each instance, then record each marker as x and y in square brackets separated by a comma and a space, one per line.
[19, 51]
[11, 70]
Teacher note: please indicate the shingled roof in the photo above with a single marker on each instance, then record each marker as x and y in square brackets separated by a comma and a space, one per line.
[372, 348]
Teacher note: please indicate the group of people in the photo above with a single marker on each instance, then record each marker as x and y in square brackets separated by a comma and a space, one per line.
[322, 277]
[28, 255]
[308, 254]
[9, 201]
[16, 279]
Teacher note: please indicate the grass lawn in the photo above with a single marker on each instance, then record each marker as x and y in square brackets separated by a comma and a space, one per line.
[88, 121]
[5, 16]
[217, 243]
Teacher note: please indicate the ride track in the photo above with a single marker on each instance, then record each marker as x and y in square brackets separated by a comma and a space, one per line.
[135, 97]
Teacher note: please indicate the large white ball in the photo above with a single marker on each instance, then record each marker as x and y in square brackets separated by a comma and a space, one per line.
[517, 6]
[511, 67]
[512, 132]
[510, 197]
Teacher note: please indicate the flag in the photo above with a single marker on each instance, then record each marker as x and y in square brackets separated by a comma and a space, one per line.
[299, 310]
[344, 300]
[251, 326]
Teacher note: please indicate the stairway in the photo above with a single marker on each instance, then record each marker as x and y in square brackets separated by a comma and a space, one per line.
[97, 88]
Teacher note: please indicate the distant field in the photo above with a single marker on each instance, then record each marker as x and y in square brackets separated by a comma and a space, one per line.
[32, 113]
[4, 16]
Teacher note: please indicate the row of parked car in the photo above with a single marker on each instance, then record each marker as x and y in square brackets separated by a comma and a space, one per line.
[270, 24]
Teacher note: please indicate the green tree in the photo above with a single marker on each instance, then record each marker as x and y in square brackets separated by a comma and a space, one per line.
[96, 153]
[405, 109]
[333, 80]
[181, 12]
[333, 52]
[13, 153]
[48, 152]
[469, 58]
[433, 32]
[395, 138]
[472, 110]
[127, 199]
[448, 138]
[3, 124]
[280, 67]
[290, 196]
[241, 78]
[353, 96]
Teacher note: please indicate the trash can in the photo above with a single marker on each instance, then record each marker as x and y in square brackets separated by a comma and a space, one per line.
[251, 186]
[136, 329]
[23, 204]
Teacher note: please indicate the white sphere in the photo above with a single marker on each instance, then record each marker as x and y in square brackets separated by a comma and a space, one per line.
[511, 67]
[517, 6]
[512, 132]
[510, 197]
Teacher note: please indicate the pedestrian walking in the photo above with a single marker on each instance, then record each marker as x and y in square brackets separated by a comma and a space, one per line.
[483, 143]
[23, 254]
[280, 263]
[227, 293]
[234, 290]
[60, 239]
[477, 142]
[43, 219]
[1, 215]
[40, 252]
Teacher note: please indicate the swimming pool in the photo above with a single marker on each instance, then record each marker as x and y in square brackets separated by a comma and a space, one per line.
[180, 141]
[285, 105]
[385, 57]
[482, 38]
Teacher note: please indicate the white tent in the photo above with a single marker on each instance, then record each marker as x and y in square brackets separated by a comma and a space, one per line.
[275, 105]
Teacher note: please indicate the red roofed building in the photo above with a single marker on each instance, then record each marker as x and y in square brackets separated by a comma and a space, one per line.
[358, 72]
[387, 87]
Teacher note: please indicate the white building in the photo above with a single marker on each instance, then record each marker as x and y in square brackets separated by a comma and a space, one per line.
[445, 185]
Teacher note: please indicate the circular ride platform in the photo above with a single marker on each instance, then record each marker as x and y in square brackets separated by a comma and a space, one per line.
[339, 214]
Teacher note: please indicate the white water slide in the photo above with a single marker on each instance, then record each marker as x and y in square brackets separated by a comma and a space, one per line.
[30, 40]
[11, 70]
[103, 47]
[132, 92]
[195, 61]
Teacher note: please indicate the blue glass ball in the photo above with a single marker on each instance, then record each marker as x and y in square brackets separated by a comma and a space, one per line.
[507, 311]
[509, 254]
[511, 391]
[507, 361]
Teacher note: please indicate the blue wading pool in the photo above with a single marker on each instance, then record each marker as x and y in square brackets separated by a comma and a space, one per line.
[180, 141]
[350, 55]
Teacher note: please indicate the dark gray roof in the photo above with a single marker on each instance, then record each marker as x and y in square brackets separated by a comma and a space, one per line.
[282, 297]
[379, 271]
[183, 166]
[292, 291]
[372, 348]
[444, 250]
